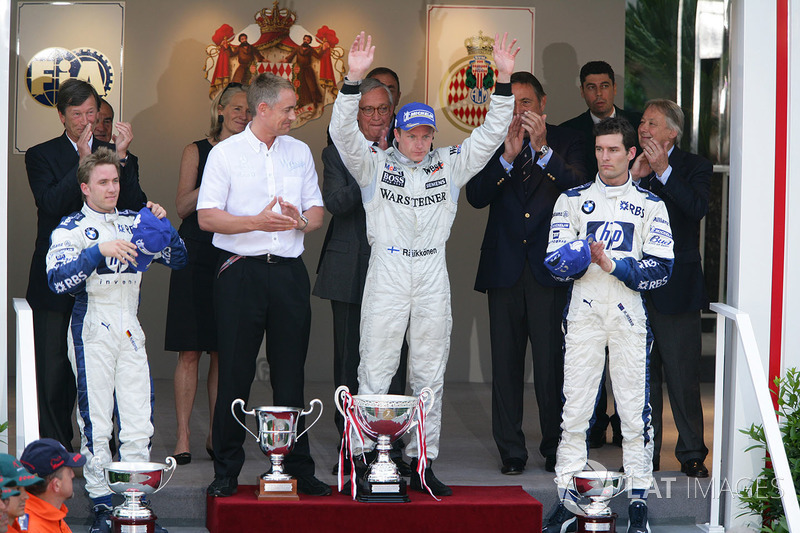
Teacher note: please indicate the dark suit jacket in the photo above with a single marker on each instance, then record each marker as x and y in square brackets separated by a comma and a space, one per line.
[52, 168]
[518, 225]
[584, 124]
[344, 258]
[686, 196]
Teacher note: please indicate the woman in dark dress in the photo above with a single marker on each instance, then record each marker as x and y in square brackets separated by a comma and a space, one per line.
[191, 328]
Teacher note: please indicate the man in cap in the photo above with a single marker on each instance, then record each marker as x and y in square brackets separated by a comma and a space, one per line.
[48, 459]
[630, 252]
[410, 197]
[7, 490]
[98, 255]
[15, 499]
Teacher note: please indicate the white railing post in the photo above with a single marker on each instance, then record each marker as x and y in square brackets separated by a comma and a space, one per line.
[757, 377]
[27, 420]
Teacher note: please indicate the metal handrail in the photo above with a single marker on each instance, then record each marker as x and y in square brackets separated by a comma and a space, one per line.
[780, 463]
[27, 421]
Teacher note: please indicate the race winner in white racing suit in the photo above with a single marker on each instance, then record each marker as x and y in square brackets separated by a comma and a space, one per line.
[106, 343]
[631, 227]
[410, 207]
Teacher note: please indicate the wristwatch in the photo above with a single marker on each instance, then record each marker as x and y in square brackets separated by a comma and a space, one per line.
[305, 222]
[543, 151]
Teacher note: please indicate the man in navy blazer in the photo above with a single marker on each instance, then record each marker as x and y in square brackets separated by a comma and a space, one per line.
[52, 174]
[598, 89]
[525, 302]
[682, 180]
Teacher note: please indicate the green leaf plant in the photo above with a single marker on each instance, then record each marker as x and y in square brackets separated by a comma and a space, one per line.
[762, 497]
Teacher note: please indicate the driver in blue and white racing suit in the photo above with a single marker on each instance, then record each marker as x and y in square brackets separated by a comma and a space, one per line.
[410, 195]
[631, 253]
[98, 255]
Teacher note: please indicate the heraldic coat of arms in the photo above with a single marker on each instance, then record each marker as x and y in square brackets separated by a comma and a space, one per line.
[275, 43]
[466, 88]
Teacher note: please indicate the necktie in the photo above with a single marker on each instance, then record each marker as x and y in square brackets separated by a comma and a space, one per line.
[525, 162]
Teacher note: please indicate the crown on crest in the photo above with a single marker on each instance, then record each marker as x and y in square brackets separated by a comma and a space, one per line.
[275, 19]
[479, 44]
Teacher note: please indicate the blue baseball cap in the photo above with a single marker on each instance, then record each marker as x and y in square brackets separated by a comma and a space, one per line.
[45, 456]
[571, 259]
[150, 235]
[415, 114]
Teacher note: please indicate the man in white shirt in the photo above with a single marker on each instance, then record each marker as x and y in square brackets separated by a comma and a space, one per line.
[260, 196]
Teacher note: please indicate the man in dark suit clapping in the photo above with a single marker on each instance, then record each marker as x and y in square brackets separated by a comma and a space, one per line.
[682, 180]
[520, 185]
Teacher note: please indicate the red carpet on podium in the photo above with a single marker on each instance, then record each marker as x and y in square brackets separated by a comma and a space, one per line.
[483, 509]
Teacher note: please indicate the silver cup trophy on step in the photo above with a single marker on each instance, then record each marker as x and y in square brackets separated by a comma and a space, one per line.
[383, 418]
[134, 480]
[277, 435]
[598, 487]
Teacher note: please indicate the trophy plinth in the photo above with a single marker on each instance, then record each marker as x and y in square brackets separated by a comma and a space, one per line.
[384, 418]
[134, 480]
[598, 487]
[277, 435]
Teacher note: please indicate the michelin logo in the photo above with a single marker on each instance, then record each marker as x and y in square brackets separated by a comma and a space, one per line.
[408, 115]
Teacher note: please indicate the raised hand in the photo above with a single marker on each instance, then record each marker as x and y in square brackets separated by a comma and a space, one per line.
[536, 127]
[123, 139]
[504, 58]
[83, 141]
[360, 57]
[514, 139]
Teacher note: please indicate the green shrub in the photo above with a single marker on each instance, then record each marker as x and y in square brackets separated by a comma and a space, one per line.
[762, 496]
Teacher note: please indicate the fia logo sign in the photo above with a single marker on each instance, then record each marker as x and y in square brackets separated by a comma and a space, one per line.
[52, 66]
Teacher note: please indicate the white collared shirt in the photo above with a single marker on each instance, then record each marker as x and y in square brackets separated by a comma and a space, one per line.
[242, 176]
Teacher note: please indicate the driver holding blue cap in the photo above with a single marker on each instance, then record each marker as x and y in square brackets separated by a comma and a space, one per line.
[632, 254]
[98, 255]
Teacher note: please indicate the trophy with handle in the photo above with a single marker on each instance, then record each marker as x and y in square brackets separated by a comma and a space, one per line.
[383, 418]
[598, 487]
[277, 434]
[134, 480]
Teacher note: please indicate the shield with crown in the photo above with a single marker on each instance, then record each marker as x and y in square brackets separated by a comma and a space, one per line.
[469, 82]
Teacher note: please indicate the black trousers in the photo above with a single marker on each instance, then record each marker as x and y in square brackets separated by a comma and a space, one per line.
[251, 297]
[675, 358]
[55, 382]
[523, 312]
[346, 358]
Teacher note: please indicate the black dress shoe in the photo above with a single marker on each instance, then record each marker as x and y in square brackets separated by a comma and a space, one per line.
[694, 468]
[550, 463]
[182, 458]
[310, 485]
[437, 487]
[222, 487]
[512, 467]
[403, 468]
[597, 440]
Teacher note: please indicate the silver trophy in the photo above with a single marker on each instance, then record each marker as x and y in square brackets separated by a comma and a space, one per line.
[383, 418]
[134, 480]
[598, 487]
[277, 434]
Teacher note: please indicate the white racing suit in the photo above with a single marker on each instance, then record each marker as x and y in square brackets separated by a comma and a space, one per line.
[106, 344]
[607, 309]
[410, 209]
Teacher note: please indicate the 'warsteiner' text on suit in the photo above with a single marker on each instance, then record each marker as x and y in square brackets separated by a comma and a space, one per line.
[511, 269]
[675, 308]
[584, 124]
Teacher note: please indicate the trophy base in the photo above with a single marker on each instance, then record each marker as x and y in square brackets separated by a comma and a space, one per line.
[590, 524]
[277, 490]
[132, 525]
[376, 492]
